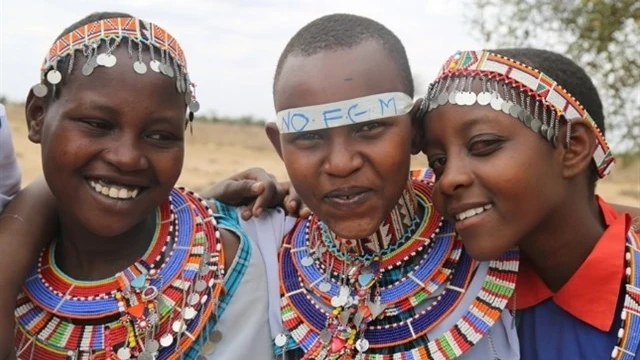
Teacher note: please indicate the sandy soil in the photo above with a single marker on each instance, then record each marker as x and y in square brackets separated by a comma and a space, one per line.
[217, 150]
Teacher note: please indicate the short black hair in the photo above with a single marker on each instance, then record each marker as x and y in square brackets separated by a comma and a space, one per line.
[571, 77]
[344, 31]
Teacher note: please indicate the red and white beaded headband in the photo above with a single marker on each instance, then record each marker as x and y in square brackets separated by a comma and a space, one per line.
[509, 86]
[98, 39]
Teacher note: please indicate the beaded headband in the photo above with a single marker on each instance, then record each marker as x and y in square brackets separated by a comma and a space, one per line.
[341, 113]
[508, 86]
[107, 34]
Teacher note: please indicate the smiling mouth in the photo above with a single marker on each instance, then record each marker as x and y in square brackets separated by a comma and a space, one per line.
[473, 212]
[113, 190]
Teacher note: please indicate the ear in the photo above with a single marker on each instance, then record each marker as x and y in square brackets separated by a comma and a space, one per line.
[35, 111]
[579, 150]
[274, 136]
[417, 126]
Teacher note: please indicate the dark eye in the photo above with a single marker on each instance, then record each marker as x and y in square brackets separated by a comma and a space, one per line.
[483, 147]
[97, 124]
[308, 136]
[162, 136]
[437, 164]
[370, 129]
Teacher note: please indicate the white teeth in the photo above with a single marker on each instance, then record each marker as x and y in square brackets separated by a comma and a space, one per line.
[472, 212]
[114, 191]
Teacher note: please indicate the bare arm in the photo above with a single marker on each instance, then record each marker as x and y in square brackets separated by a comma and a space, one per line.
[26, 226]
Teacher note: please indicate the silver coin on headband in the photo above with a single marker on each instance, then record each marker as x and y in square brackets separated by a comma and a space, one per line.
[536, 125]
[154, 65]
[514, 110]
[506, 107]
[471, 98]
[496, 102]
[39, 90]
[54, 77]
[484, 98]
[194, 106]
[452, 97]
[109, 60]
[528, 119]
[139, 67]
[459, 97]
[443, 98]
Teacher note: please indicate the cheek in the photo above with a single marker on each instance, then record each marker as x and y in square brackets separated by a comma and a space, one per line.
[168, 166]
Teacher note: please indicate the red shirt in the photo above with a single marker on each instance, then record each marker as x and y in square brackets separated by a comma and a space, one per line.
[591, 294]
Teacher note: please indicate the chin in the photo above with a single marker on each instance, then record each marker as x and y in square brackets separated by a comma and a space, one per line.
[353, 229]
[482, 252]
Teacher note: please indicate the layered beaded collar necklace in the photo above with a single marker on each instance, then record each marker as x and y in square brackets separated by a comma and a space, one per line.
[628, 342]
[154, 309]
[339, 305]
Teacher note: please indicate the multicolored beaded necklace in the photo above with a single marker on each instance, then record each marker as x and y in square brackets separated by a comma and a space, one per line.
[629, 333]
[154, 309]
[382, 305]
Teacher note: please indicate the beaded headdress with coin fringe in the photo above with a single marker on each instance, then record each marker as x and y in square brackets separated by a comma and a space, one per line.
[521, 91]
[97, 40]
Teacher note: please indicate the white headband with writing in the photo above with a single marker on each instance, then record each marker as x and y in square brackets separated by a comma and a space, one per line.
[346, 112]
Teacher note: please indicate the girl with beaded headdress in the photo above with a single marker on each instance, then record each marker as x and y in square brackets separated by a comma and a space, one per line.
[138, 268]
[516, 140]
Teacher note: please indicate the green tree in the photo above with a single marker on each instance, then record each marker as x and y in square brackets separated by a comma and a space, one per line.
[603, 36]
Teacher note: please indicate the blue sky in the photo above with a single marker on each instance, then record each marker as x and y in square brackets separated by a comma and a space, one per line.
[232, 46]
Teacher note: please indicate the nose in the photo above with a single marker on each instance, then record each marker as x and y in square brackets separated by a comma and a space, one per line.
[343, 158]
[127, 153]
[456, 175]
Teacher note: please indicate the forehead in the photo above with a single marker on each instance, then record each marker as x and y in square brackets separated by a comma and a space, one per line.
[332, 76]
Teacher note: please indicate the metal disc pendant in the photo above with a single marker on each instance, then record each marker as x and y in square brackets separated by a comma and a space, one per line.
[496, 103]
[443, 98]
[200, 285]
[178, 326]
[484, 98]
[550, 133]
[362, 345]
[506, 107]
[207, 348]
[325, 287]
[193, 299]
[460, 98]
[100, 59]
[528, 119]
[215, 336]
[452, 98]
[306, 261]
[139, 67]
[152, 346]
[54, 77]
[145, 356]
[39, 90]
[514, 110]
[281, 340]
[109, 60]
[189, 313]
[166, 340]
[535, 125]
[337, 301]
[471, 98]
[155, 65]
[124, 353]
[194, 106]
[87, 69]
[169, 71]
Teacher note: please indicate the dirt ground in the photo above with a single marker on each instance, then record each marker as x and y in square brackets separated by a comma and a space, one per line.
[217, 150]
